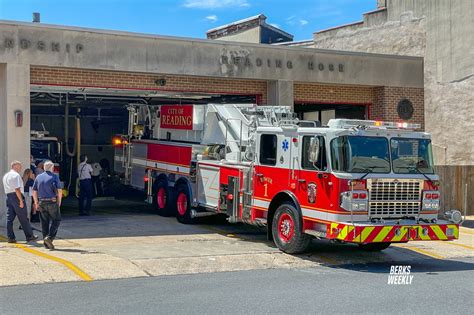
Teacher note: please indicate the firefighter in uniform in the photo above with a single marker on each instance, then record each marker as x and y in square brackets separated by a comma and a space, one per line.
[84, 171]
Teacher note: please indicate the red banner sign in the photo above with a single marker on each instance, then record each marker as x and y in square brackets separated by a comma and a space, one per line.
[176, 117]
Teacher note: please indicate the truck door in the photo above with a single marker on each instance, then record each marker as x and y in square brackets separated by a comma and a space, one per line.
[265, 173]
[273, 171]
[314, 181]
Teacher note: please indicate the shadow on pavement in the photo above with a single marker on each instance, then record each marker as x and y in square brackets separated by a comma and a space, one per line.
[350, 257]
[469, 223]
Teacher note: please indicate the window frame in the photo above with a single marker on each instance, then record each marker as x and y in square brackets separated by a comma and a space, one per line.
[419, 140]
[378, 137]
[261, 147]
[322, 145]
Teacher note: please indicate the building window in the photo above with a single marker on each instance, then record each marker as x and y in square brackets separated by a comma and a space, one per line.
[268, 149]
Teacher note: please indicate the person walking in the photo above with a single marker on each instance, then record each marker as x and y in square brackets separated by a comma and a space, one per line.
[28, 180]
[84, 172]
[47, 196]
[13, 187]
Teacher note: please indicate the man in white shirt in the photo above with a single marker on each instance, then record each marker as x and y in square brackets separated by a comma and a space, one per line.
[13, 186]
[84, 172]
[96, 184]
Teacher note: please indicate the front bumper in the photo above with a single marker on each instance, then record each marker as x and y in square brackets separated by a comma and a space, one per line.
[393, 233]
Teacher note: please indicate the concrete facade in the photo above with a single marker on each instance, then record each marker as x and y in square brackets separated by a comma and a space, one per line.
[441, 32]
[14, 96]
[44, 55]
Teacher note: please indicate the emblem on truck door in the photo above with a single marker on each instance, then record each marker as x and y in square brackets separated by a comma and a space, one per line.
[285, 145]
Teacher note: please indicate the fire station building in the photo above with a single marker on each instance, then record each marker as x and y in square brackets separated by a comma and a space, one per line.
[97, 72]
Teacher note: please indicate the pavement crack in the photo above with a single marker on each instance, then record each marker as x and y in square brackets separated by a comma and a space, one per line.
[139, 267]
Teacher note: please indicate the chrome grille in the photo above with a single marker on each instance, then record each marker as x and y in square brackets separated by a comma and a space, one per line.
[392, 198]
[393, 209]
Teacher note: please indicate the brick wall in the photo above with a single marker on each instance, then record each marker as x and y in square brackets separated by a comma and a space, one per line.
[128, 80]
[383, 101]
[386, 100]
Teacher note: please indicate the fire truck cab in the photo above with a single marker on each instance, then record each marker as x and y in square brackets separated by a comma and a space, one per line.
[45, 147]
[365, 182]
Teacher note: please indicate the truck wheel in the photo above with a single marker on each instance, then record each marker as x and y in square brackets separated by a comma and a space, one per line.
[183, 205]
[163, 199]
[374, 247]
[287, 230]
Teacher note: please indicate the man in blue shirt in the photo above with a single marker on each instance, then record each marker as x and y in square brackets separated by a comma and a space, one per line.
[47, 195]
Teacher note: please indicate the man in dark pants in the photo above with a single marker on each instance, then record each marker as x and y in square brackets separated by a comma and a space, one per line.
[47, 196]
[13, 186]
[84, 172]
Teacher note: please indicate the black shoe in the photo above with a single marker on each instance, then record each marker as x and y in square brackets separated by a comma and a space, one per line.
[20, 227]
[32, 239]
[48, 243]
[11, 240]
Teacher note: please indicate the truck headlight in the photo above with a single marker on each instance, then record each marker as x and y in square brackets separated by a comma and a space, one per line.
[355, 200]
[430, 200]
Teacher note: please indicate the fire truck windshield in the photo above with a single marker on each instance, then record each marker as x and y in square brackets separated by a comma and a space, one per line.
[359, 154]
[44, 149]
[411, 156]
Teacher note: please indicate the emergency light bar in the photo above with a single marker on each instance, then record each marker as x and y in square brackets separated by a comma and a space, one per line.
[348, 123]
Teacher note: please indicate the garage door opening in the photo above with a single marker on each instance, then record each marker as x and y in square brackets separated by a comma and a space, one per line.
[100, 114]
[325, 112]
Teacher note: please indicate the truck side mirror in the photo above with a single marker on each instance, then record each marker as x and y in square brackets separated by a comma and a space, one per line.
[313, 150]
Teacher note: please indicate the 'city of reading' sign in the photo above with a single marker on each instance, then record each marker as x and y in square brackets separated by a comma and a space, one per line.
[176, 117]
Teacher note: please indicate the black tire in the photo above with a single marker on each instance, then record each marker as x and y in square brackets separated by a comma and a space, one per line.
[163, 199]
[287, 230]
[183, 205]
[374, 247]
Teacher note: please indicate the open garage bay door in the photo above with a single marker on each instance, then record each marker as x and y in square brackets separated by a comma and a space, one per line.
[100, 114]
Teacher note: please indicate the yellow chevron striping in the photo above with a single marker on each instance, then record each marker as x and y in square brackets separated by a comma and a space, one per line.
[403, 231]
[365, 233]
[421, 236]
[342, 235]
[382, 234]
[350, 230]
[455, 228]
[439, 233]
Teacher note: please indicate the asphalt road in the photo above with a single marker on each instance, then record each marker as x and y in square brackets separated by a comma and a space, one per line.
[438, 286]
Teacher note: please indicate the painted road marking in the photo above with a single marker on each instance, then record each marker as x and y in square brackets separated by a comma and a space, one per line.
[422, 251]
[462, 245]
[84, 276]
[462, 231]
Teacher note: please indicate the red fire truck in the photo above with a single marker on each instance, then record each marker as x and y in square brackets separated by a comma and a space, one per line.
[356, 181]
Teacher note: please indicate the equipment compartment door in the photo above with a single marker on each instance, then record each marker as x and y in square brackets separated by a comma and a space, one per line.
[208, 185]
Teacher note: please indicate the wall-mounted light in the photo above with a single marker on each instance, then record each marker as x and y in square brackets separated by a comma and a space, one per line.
[19, 118]
[160, 82]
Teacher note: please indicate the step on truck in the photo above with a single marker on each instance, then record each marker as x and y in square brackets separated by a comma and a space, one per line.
[371, 183]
